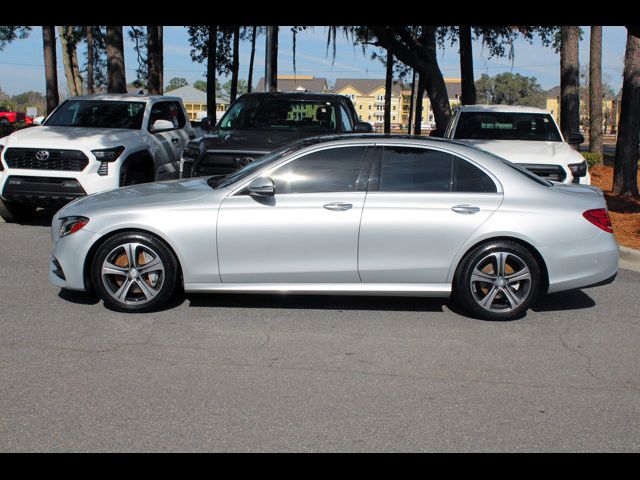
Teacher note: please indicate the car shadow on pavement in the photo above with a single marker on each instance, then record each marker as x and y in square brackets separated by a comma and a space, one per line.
[317, 302]
[80, 298]
[570, 300]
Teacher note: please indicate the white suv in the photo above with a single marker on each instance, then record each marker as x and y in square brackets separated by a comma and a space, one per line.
[527, 136]
[91, 144]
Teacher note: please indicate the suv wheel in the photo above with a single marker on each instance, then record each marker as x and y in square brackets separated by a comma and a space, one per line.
[134, 272]
[13, 212]
[498, 281]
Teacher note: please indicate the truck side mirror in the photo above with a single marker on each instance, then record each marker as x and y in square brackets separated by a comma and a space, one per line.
[363, 127]
[38, 120]
[576, 139]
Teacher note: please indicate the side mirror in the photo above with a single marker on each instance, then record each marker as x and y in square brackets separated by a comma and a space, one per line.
[436, 132]
[363, 127]
[205, 124]
[262, 187]
[162, 126]
[576, 139]
[38, 120]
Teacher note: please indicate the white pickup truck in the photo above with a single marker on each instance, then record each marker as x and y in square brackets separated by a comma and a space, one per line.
[90, 144]
[527, 136]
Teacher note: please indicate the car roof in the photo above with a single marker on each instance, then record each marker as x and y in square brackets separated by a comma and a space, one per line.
[502, 108]
[127, 97]
[293, 96]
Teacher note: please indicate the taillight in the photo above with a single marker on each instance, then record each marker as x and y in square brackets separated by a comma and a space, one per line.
[600, 218]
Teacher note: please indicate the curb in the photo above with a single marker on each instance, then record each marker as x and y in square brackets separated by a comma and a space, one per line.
[629, 258]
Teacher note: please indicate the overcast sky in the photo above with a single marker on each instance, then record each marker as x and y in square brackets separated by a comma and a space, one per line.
[22, 64]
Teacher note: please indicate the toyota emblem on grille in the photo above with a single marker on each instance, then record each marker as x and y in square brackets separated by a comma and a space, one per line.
[42, 155]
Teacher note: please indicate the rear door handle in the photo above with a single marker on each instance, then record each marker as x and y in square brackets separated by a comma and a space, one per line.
[466, 209]
[337, 206]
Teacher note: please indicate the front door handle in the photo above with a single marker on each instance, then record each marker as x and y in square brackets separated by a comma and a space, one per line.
[337, 206]
[175, 139]
[466, 209]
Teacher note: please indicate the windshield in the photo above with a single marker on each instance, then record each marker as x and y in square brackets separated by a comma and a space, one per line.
[507, 126]
[98, 114]
[221, 182]
[280, 114]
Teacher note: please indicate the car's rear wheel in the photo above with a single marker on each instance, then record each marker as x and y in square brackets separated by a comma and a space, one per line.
[498, 280]
[16, 212]
[134, 272]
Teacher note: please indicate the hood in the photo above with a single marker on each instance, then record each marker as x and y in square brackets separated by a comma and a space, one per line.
[522, 151]
[252, 140]
[61, 137]
[136, 197]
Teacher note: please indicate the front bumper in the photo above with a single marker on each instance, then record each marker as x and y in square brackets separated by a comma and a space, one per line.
[66, 264]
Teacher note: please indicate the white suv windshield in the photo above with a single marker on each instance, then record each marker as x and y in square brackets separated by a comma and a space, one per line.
[507, 126]
[98, 114]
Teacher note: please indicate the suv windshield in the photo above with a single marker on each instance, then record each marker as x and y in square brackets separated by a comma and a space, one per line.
[507, 126]
[281, 114]
[98, 114]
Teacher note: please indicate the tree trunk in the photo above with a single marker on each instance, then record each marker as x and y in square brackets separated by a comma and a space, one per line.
[419, 98]
[253, 56]
[50, 71]
[595, 91]
[388, 84]
[212, 47]
[271, 60]
[70, 61]
[434, 83]
[625, 170]
[466, 66]
[154, 59]
[90, 47]
[117, 81]
[235, 64]
[569, 81]
[411, 101]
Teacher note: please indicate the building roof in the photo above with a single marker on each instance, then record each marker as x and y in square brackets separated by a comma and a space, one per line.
[190, 94]
[290, 83]
[366, 85]
[553, 92]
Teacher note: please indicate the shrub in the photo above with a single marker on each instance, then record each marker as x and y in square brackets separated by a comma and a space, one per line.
[592, 158]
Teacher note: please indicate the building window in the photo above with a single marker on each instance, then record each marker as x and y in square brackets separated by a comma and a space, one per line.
[369, 106]
[394, 107]
[360, 106]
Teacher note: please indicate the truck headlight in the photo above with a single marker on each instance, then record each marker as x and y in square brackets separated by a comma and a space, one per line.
[578, 169]
[71, 225]
[106, 156]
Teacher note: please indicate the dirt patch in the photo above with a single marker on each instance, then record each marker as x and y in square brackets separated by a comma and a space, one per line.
[624, 211]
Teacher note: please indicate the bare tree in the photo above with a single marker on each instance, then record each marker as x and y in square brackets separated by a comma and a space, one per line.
[595, 90]
[466, 66]
[117, 82]
[235, 64]
[569, 80]
[212, 45]
[90, 60]
[411, 101]
[252, 58]
[51, 74]
[625, 172]
[387, 93]
[154, 59]
[419, 97]
[68, 39]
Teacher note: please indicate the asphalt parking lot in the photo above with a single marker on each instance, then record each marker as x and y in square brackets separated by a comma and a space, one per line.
[276, 373]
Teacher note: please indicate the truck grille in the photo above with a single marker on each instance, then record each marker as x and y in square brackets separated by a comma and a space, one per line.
[53, 159]
[553, 173]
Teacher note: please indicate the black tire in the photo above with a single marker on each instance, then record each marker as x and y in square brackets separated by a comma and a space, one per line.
[13, 212]
[4, 121]
[106, 286]
[508, 298]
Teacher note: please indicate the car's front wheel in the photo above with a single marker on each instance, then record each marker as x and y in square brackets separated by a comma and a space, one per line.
[498, 280]
[134, 272]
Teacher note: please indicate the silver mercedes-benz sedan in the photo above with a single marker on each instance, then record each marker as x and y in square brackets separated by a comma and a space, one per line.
[357, 214]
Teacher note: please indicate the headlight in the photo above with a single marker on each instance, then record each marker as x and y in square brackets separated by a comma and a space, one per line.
[71, 225]
[108, 154]
[578, 169]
